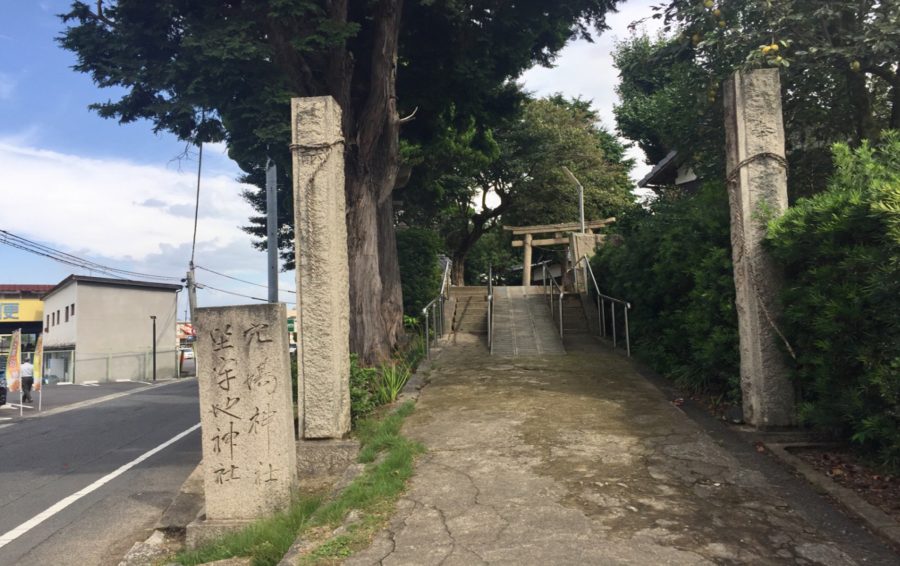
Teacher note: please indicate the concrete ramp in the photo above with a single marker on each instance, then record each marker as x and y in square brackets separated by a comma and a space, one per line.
[522, 323]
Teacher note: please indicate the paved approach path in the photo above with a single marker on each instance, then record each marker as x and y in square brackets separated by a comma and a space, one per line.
[578, 459]
[522, 323]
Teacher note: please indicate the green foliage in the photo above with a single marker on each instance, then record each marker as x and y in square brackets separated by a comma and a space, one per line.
[493, 250]
[373, 494]
[392, 376]
[839, 78]
[420, 271]
[841, 254]
[266, 541]
[673, 263]
[225, 71]
[362, 389]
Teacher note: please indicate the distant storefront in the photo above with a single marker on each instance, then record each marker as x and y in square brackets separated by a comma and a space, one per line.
[21, 308]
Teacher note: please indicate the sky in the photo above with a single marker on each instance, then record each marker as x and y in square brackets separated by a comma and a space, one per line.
[123, 196]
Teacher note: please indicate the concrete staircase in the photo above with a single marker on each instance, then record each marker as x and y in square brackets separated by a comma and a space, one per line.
[574, 321]
[469, 309]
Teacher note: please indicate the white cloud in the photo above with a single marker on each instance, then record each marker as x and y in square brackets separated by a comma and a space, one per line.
[112, 207]
[586, 69]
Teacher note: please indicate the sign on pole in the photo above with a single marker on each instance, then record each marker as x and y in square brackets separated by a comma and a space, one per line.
[14, 366]
[38, 363]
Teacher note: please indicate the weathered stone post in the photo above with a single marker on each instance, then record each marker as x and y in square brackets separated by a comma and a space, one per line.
[757, 190]
[323, 280]
[247, 417]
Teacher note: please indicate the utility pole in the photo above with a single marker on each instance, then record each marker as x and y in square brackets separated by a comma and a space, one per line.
[580, 196]
[272, 228]
[153, 318]
[192, 291]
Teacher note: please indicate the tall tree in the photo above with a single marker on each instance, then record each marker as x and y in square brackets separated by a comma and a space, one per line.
[211, 70]
[838, 62]
[513, 173]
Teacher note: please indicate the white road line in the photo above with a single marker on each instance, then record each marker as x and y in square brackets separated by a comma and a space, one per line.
[12, 535]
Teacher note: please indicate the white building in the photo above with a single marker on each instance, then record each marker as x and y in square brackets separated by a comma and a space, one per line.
[98, 329]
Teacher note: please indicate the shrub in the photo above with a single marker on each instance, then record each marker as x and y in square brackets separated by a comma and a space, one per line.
[420, 271]
[673, 263]
[841, 253]
[362, 389]
[392, 376]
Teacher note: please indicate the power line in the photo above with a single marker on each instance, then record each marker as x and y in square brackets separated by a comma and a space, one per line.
[36, 248]
[241, 280]
[205, 286]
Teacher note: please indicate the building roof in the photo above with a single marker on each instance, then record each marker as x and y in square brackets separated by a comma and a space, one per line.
[113, 283]
[30, 289]
[663, 173]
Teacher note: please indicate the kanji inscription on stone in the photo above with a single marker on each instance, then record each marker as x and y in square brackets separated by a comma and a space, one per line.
[246, 413]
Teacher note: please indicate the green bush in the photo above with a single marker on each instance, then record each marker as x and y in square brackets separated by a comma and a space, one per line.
[841, 253]
[420, 272]
[363, 399]
[673, 263]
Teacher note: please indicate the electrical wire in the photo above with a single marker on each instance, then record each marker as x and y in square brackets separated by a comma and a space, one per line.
[24, 244]
[205, 286]
[241, 280]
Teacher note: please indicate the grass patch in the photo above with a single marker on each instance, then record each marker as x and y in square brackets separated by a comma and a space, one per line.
[372, 494]
[266, 541]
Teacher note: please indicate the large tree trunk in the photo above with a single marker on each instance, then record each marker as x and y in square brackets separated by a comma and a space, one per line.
[372, 132]
[458, 273]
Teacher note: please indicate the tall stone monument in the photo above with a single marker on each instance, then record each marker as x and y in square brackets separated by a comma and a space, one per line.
[323, 281]
[246, 413]
[757, 189]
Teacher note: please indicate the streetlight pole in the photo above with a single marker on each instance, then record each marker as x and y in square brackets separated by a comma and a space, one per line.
[153, 318]
[580, 196]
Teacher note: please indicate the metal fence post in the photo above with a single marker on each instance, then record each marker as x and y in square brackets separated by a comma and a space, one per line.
[561, 295]
[603, 317]
[427, 337]
[614, 322]
[627, 335]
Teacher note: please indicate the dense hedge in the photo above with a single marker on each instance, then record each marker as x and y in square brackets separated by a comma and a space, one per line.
[420, 271]
[841, 254]
[674, 265]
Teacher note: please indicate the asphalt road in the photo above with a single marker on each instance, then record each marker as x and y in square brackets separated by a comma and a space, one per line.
[44, 460]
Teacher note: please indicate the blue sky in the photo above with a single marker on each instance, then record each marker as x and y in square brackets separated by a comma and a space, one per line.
[116, 194]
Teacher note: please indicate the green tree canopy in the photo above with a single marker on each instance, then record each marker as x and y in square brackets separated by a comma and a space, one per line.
[513, 173]
[839, 77]
[209, 70]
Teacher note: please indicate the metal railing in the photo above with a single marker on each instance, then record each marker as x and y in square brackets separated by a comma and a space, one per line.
[550, 290]
[436, 318]
[490, 309]
[601, 306]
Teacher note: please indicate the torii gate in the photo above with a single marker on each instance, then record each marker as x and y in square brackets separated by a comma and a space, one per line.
[583, 242]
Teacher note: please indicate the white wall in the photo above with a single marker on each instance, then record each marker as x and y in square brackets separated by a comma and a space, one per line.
[62, 333]
[115, 332]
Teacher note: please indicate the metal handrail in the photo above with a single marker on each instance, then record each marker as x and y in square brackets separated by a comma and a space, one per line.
[490, 309]
[562, 295]
[429, 311]
[601, 305]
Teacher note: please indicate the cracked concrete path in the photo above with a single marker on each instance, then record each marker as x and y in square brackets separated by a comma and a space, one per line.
[578, 459]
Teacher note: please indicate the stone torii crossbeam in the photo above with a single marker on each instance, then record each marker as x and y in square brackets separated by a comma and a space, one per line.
[562, 235]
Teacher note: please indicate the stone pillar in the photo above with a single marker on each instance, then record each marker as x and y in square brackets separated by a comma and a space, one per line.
[757, 189]
[246, 411]
[323, 281]
[526, 264]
